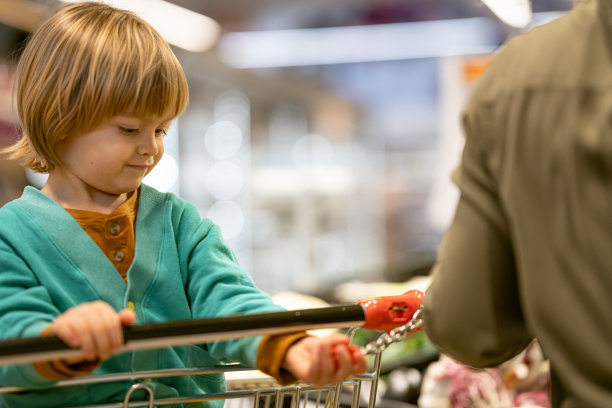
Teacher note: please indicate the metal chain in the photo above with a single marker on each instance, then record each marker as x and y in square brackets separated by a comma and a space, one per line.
[396, 335]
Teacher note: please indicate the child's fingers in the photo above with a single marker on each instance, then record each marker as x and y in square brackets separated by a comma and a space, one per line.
[107, 335]
[127, 317]
[95, 327]
[323, 362]
[66, 332]
[79, 324]
[360, 364]
[344, 363]
[338, 339]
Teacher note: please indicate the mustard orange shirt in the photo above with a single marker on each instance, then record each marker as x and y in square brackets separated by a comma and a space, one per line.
[114, 233]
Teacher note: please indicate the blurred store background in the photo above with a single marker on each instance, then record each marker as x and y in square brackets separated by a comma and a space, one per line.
[320, 135]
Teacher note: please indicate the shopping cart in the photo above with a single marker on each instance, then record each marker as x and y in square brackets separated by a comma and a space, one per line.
[397, 316]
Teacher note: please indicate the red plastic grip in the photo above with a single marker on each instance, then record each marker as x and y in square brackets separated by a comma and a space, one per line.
[388, 312]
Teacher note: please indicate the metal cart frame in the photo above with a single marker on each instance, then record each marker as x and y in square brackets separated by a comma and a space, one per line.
[259, 391]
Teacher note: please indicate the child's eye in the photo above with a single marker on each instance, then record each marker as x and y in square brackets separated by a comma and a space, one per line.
[129, 131]
[161, 132]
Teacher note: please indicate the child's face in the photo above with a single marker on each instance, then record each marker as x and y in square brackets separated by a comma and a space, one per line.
[114, 157]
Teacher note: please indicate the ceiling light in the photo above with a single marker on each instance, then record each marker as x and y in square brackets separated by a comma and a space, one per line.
[515, 13]
[336, 45]
[179, 26]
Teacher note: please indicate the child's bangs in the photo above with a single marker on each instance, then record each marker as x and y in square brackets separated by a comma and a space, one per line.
[161, 90]
[147, 79]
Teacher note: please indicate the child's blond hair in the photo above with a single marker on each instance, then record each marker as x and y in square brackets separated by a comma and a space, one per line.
[87, 63]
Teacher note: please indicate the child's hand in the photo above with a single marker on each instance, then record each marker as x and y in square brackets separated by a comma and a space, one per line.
[94, 327]
[321, 361]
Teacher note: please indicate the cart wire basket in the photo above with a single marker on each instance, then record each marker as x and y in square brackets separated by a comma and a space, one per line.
[396, 316]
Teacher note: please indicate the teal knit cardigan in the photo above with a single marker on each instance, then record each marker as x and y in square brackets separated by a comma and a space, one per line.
[182, 269]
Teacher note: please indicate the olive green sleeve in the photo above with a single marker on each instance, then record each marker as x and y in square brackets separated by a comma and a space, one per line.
[472, 309]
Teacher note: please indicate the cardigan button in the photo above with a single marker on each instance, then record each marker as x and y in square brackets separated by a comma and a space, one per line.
[130, 305]
[119, 256]
[115, 228]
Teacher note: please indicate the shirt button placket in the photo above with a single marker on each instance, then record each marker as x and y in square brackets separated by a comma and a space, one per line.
[119, 256]
[114, 228]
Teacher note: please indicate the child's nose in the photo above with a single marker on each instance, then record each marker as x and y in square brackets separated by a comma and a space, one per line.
[148, 144]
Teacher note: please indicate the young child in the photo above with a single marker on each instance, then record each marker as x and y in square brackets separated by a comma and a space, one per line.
[95, 249]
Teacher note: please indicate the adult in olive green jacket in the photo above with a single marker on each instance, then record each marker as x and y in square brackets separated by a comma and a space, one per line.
[529, 253]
